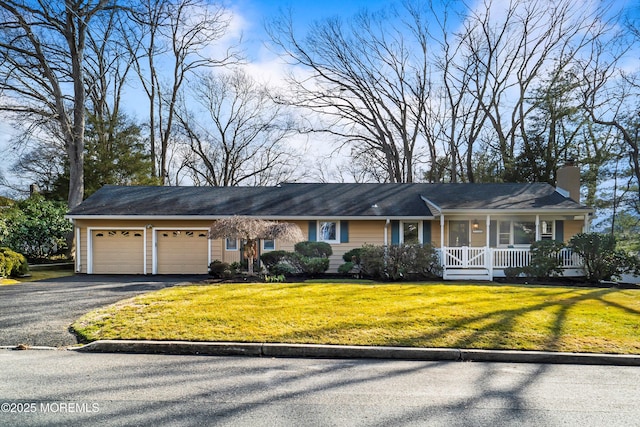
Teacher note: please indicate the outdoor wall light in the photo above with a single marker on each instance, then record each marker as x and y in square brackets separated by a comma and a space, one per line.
[475, 225]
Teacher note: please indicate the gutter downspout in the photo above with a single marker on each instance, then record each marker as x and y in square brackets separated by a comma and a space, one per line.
[386, 232]
[442, 252]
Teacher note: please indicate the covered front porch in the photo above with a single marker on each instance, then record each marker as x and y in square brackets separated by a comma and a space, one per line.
[485, 263]
[481, 248]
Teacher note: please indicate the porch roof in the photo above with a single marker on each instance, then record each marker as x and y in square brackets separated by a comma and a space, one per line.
[317, 200]
[507, 197]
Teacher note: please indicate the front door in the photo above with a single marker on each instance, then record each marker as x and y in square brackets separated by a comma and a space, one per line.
[458, 233]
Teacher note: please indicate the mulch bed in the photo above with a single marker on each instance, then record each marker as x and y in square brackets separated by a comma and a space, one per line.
[557, 281]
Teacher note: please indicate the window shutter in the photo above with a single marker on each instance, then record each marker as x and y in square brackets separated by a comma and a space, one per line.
[395, 232]
[344, 231]
[560, 231]
[313, 231]
[426, 232]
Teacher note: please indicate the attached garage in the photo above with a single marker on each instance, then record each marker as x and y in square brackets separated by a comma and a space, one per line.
[117, 251]
[182, 251]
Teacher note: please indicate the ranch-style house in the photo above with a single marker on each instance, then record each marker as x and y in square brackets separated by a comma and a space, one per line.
[479, 229]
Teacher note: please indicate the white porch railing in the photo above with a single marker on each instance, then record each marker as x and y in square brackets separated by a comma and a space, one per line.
[510, 257]
[465, 257]
[493, 259]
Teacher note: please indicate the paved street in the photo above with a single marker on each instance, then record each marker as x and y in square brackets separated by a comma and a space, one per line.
[39, 314]
[66, 388]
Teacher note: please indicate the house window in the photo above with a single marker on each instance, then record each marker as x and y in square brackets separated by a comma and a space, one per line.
[328, 231]
[458, 233]
[524, 233]
[516, 233]
[268, 244]
[231, 244]
[411, 232]
[504, 233]
[546, 230]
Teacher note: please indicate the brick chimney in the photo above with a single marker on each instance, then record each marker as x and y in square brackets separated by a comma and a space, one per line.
[568, 180]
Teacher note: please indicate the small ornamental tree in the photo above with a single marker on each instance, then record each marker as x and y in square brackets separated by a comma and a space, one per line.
[250, 230]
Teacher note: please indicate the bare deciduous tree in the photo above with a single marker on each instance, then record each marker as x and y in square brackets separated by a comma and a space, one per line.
[369, 78]
[42, 70]
[238, 135]
[500, 60]
[178, 36]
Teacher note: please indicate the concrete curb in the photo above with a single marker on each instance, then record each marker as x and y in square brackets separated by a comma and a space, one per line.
[354, 352]
[22, 347]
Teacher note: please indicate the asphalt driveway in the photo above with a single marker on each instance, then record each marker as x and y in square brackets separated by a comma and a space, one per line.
[39, 313]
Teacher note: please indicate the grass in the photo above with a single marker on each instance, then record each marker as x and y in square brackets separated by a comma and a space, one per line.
[487, 316]
[38, 275]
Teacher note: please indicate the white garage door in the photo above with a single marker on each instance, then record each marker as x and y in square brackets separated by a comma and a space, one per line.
[118, 251]
[182, 251]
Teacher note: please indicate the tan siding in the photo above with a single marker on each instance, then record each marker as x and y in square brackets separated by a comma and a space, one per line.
[83, 250]
[435, 233]
[360, 233]
[230, 256]
[571, 228]
[216, 250]
[479, 238]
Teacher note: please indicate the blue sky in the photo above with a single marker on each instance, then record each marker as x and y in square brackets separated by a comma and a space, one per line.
[255, 13]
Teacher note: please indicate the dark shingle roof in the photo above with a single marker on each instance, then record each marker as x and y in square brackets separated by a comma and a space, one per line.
[320, 200]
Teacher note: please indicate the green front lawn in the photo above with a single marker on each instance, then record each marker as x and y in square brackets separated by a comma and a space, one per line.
[488, 316]
[38, 275]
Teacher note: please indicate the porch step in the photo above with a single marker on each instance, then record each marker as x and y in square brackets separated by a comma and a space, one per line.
[467, 274]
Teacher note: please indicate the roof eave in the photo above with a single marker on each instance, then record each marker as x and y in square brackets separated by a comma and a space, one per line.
[535, 211]
[266, 217]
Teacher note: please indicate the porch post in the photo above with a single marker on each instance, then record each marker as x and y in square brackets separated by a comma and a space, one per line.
[488, 237]
[538, 237]
[488, 252]
[442, 253]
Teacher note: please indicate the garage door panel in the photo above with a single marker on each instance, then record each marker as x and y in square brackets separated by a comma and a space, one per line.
[182, 252]
[118, 251]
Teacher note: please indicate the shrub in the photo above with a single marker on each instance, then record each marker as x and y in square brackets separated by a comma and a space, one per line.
[545, 262]
[37, 227]
[513, 272]
[272, 258]
[408, 261]
[372, 261]
[12, 264]
[313, 266]
[346, 268]
[283, 268]
[400, 262]
[352, 256]
[314, 249]
[219, 269]
[235, 267]
[310, 258]
[601, 259]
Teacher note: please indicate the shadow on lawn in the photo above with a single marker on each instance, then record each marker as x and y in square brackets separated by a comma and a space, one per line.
[506, 320]
[489, 329]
